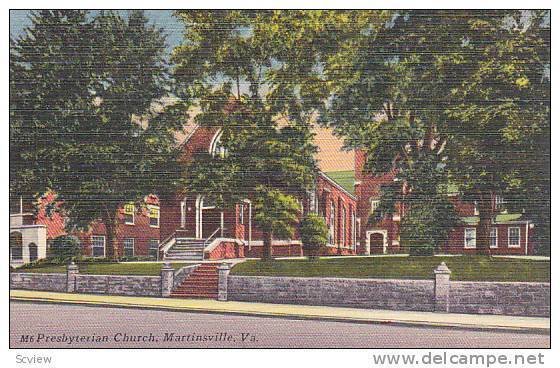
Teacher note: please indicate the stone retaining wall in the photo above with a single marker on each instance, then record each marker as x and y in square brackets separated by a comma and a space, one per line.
[356, 293]
[512, 298]
[38, 281]
[119, 285]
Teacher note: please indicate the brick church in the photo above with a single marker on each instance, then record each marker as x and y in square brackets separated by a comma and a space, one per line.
[190, 227]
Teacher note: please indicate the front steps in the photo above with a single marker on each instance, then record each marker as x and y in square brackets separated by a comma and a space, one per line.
[186, 249]
[201, 283]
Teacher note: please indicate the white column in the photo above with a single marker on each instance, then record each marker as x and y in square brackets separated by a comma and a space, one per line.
[250, 224]
[222, 224]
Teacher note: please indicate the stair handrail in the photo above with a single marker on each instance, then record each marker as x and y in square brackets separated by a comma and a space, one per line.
[166, 243]
[212, 235]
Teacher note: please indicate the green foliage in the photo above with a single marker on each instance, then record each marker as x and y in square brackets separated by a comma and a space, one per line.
[64, 248]
[313, 232]
[247, 71]
[276, 212]
[90, 113]
[470, 88]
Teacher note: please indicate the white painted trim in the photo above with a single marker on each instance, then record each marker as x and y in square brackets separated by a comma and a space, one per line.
[527, 238]
[497, 238]
[133, 245]
[338, 186]
[465, 238]
[376, 231]
[217, 241]
[104, 245]
[259, 243]
[509, 237]
[214, 142]
[150, 207]
[15, 228]
[168, 245]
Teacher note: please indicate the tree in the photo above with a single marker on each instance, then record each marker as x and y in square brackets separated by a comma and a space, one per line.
[390, 102]
[65, 248]
[501, 121]
[248, 71]
[90, 91]
[458, 85]
[314, 233]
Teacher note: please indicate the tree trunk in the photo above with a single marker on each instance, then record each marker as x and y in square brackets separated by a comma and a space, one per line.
[486, 215]
[112, 246]
[267, 245]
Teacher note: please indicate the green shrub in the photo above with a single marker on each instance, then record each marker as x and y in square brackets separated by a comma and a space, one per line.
[314, 233]
[64, 248]
[421, 249]
[136, 259]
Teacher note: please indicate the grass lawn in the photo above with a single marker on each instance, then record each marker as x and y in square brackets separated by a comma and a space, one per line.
[147, 269]
[464, 268]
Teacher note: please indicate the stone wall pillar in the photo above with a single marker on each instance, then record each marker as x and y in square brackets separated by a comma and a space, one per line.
[167, 274]
[223, 272]
[442, 285]
[71, 272]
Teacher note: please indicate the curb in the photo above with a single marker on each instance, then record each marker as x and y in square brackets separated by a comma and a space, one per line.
[293, 316]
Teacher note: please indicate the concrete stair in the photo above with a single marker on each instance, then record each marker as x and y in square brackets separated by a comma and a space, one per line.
[186, 249]
[201, 283]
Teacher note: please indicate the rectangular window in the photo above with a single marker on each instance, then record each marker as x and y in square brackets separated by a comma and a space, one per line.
[128, 247]
[494, 237]
[98, 246]
[154, 244]
[332, 231]
[154, 216]
[129, 214]
[514, 237]
[343, 227]
[374, 205]
[475, 211]
[470, 237]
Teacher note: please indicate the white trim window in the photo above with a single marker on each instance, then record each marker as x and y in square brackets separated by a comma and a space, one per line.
[98, 246]
[128, 247]
[129, 209]
[154, 216]
[374, 203]
[494, 237]
[332, 228]
[153, 246]
[470, 237]
[241, 219]
[343, 227]
[514, 237]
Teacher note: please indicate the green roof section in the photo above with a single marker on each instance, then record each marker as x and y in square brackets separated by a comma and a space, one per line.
[505, 217]
[343, 178]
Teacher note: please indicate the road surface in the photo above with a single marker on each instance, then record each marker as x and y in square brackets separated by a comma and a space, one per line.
[36, 325]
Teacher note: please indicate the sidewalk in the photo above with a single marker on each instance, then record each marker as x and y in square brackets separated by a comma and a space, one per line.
[447, 320]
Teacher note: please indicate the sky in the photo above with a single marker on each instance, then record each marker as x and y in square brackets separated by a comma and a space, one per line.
[19, 19]
[330, 157]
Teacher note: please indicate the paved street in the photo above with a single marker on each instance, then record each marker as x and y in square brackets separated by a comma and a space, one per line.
[54, 325]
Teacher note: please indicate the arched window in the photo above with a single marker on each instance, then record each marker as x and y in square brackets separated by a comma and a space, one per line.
[216, 147]
[16, 246]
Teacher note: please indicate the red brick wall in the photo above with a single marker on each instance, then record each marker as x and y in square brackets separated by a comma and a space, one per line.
[368, 187]
[456, 241]
[327, 193]
[141, 231]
